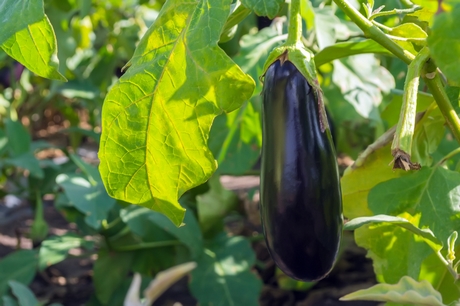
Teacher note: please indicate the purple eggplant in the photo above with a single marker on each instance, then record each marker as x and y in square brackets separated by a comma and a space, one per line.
[301, 203]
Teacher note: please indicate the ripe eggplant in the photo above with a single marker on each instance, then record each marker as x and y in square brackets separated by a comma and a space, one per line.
[301, 202]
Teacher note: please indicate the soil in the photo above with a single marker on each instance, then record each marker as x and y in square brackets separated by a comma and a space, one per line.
[70, 282]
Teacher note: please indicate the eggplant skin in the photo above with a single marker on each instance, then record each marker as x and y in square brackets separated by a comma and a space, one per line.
[301, 201]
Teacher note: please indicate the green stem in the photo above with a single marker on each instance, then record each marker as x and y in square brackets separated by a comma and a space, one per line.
[406, 124]
[433, 83]
[396, 11]
[448, 156]
[436, 87]
[295, 23]
[373, 31]
[147, 245]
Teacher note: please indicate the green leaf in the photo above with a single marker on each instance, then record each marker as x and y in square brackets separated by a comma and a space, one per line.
[18, 138]
[9, 301]
[223, 275]
[344, 49]
[214, 205]
[446, 32]
[269, 8]
[357, 182]
[27, 161]
[325, 23]
[157, 118]
[19, 266]
[407, 291]
[362, 80]
[408, 30]
[395, 251]
[426, 234]
[431, 193]
[110, 270]
[24, 295]
[189, 234]
[17, 15]
[35, 47]
[92, 200]
[55, 249]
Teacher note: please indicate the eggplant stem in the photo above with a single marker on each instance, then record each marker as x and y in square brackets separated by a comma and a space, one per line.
[295, 23]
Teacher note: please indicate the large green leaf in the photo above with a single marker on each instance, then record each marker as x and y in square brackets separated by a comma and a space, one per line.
[267, 8]
[223, 275]
[325, 24]
[407, 291]
[157, 118]
[35, 47]
[17, 15]
[19, 266]
[344, 49]
[431, 193]
[444, 43]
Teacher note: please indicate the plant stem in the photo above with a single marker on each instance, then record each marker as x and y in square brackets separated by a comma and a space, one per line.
[396, 11]
[373, 31]
[448, 156]
[147, 245]
[433, 83]
[402, 142]
[295, 23]
[437, 90]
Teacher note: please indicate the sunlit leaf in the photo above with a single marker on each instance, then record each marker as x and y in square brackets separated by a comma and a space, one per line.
[156, 119]
[407, 291]
[35, 47]
[432, 193]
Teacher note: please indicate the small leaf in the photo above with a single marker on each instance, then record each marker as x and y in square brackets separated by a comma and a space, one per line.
[35, 47]
[408, 30]
[55, 249]
[156, 119]
[24, 295]
[407, 291]
[91, 200]
[426, 234]
[223, 275]
[269, 8]
[446, 32]
[18, 138]
[19, 266]
[214, 205]
[344, 49]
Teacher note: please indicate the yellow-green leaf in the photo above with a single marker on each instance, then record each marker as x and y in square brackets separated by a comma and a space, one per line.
[406, 291]
[156, 119]
[35, 47]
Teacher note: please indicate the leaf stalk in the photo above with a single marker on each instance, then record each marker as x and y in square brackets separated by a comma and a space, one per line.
[402, 142]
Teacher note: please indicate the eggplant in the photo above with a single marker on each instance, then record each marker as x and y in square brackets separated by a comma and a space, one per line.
[300, 196]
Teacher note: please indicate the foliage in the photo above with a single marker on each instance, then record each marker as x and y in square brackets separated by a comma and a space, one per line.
[175, 88]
